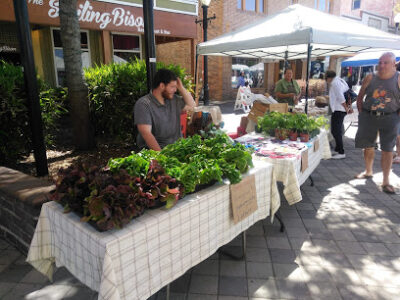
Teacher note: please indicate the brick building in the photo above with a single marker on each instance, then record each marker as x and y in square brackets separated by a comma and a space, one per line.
[111, 31]
[234, 14]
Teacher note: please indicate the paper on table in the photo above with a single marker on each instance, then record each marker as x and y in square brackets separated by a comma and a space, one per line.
[304, 160]
[316, 144]
[243, 198]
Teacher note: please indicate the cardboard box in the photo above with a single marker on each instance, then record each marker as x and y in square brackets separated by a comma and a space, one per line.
[259, 109]
[243, 122]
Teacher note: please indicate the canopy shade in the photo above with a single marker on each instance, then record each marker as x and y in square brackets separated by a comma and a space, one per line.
[367, 58]
[292, 29]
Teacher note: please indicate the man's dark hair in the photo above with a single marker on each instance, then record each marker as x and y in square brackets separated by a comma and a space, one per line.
[163, 76]
[246, 83]
[330, 74]
[287, 69]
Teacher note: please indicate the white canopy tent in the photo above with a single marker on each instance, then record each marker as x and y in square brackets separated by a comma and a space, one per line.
[299, 32]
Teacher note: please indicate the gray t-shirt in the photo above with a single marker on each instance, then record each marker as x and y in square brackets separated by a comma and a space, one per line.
[164, 119]
[383, 94]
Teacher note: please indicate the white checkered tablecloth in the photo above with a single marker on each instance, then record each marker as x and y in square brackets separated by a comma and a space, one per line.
[288, 170]
[154, 249]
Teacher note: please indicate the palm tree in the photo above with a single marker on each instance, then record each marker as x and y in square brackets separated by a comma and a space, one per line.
[77, 89]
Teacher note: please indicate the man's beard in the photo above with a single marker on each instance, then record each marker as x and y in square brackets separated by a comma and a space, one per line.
[165, 95]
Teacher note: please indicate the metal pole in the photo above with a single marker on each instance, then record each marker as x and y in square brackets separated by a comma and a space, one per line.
[205, 69]
[149, 41]
[285, 63]
[32, 91]
[195, 77]
[309, 49]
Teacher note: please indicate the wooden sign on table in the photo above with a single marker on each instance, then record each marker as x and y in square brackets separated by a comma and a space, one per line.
[304, 160]
[316, 145]
[243, 198]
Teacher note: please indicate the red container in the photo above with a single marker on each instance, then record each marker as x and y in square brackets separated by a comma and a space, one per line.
[183, 123]
[233, 135]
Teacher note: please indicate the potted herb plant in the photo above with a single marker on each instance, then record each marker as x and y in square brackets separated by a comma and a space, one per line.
[293, 121]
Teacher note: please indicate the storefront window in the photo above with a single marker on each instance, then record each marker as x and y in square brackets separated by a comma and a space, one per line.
[261, 5]
[356, 4]
[126, 48]
[253, 71]
[59, 55]
[323, 5]
[9, 45]
[251, 5]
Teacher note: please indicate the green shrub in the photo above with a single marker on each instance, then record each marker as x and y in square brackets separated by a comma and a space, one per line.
[113, 92]
[15, 133]
[14, 128]
[53, 106]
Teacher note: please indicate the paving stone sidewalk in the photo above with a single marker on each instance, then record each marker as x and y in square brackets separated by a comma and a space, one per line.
[341, 242]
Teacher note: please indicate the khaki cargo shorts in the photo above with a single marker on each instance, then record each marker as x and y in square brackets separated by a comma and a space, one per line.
[369, 125]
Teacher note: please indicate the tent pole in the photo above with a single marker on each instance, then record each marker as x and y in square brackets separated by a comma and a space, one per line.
[195, 78]
[309, 49]
[285, 63]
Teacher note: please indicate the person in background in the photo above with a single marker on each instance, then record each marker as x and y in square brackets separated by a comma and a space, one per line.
[379, 112]
[396, 159]
[241, 80]
[157, 114]
[287, 90]
[339, 107]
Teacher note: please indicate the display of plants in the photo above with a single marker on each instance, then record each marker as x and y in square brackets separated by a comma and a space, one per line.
[110, 199]
[292, 125]
[193, 161]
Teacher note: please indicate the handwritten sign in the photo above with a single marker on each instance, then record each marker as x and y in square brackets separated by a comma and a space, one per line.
[243, 198]
[304, 160]
[316, 145]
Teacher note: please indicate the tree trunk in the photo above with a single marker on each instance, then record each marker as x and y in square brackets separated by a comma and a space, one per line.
[77, 89]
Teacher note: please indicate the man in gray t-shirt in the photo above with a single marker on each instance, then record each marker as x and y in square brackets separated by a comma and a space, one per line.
[379, 113]
[157, 114]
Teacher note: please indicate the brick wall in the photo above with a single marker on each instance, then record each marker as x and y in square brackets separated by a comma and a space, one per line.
[21, 198]
[229, 18]
[382, 7]
[176, 53]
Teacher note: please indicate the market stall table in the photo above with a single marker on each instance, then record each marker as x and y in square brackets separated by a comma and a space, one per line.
[287, 156]
[154, 249]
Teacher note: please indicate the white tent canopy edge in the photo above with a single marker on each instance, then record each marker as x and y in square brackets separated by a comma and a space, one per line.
[292, 29]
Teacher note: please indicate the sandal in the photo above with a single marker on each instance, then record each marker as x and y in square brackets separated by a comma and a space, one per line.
[363, 176]
[396, 160]
[388, 189]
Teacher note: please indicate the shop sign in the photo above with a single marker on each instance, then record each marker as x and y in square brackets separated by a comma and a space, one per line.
[99, 15]
[86, 13]
[8, 49]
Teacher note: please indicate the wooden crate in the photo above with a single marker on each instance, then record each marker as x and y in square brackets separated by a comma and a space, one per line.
[259, 109]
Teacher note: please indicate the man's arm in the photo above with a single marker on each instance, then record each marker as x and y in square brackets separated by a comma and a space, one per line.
[187, 97]
[151, 142]
[361, 94]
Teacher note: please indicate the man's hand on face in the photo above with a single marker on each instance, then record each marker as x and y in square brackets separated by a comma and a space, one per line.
[179, 84]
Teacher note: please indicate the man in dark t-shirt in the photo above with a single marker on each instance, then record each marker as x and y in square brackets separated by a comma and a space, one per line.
[379, 112]
[157, 114]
